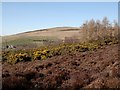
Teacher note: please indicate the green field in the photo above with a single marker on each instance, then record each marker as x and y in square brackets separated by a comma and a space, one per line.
[38, 40]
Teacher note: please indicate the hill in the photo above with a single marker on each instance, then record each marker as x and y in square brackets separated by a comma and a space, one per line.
[58, 33]
[91, 69]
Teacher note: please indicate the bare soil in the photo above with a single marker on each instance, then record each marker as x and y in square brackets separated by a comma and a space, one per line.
[91, 69]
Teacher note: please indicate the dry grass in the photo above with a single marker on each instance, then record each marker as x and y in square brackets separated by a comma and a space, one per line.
[60, 32]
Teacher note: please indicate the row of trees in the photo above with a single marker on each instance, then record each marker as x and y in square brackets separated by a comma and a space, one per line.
[94, 30]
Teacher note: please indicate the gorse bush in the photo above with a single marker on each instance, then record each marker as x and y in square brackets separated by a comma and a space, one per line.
[41, 54]
[21, 57]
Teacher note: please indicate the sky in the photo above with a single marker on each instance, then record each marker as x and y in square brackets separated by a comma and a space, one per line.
[20, 17]
[60, 0]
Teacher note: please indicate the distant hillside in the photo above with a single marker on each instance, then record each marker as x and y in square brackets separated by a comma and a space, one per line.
[59, 32]
[36, 35]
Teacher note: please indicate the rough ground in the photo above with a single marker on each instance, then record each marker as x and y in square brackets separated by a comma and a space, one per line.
[92, 69]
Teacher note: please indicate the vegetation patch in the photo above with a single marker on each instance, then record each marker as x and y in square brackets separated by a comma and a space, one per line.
[45, 52]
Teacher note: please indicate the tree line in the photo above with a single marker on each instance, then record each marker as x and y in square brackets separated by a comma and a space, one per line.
[94, 30]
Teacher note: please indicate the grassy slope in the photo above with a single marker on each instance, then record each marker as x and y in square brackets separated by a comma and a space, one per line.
[45, 34]
[27, 40]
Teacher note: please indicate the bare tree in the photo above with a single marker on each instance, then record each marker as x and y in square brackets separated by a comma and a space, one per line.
[115, 29]
[105, 23]
[91, 29]
[98, 28]
[84, 31]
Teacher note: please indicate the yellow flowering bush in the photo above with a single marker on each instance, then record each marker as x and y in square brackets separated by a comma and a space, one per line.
[43, 57]
[37, 55]
[41, 54]
[23, 57]
[14, 58]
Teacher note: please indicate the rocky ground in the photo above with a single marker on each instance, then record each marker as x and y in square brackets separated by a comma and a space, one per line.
[91, 69]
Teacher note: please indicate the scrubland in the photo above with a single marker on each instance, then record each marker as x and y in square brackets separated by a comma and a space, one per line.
[88, 60]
